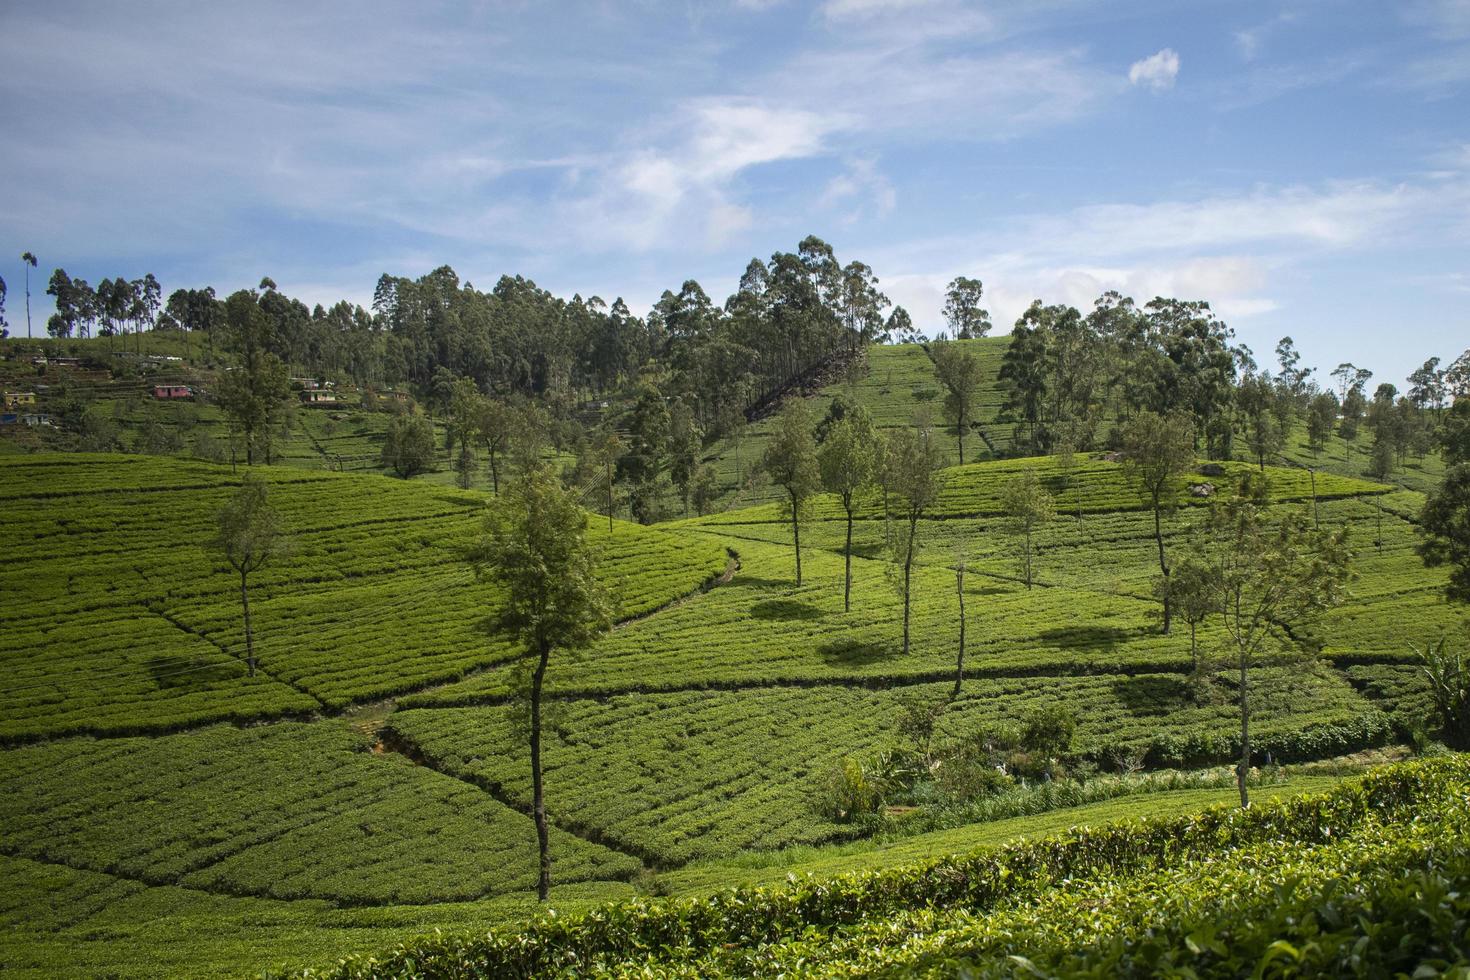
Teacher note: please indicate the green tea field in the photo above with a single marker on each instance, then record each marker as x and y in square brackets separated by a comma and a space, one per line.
[370, 783]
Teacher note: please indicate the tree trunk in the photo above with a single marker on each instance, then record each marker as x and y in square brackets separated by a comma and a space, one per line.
[796, 535]
[1028, 558]
[609, 496]
[538, 798]
[959, 667]
[494, 473]
[249, 637]
[908, 564]
[1245, 732]
[847, 564]
[1163, 565]
[960, 432]
[1193, 648]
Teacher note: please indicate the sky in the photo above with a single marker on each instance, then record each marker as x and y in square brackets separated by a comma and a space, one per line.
[1304, 167]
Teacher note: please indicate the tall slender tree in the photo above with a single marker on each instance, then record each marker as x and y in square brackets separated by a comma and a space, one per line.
[535, 548]
[848, 462]
[913, 473]
[791, 461]
[1157, 451]
[1269, 573]
[250, 537]
[960, 373]
[1027, 503]
[29, 261]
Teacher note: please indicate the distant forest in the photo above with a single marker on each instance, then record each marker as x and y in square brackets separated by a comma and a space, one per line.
[795, 320]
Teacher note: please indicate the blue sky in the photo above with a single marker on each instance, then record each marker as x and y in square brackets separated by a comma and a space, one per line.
[1303, 166]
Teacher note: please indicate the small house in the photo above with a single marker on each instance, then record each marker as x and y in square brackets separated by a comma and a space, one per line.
[172, 392]
[305, 384]
[326, 399]
[20, 399]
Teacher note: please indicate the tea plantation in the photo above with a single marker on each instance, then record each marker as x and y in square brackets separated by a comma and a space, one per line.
[164, 814]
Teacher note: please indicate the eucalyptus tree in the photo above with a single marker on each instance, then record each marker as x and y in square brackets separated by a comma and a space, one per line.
[1028, 503]
[1268, 574]
[28, 260]
[959, 371]
[913, 476]
[848, 463]
[250, 536]
[791, 461]
[1157, 451]
[535, 548]
[962, 309]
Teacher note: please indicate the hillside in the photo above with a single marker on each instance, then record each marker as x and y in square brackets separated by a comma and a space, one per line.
[386, 793]
[1367, 879]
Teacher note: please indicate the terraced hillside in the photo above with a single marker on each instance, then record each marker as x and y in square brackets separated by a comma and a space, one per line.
[894, 383]
[166, 815]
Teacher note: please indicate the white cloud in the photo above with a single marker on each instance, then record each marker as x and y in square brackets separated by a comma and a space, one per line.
[1231, 250]
[1157, 71]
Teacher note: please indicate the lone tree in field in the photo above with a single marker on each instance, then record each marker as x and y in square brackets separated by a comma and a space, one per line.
[250, 537]
[1157, 451]
[791, 460]
[1027, 503]
[408, 445]
[959, 371]
[913, 475]
[1266, 578]
[535, 548]
[848, 462]
[1194, 595]
[1445, 524]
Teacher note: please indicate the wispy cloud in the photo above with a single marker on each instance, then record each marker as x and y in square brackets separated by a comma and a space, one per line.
[1157, 71]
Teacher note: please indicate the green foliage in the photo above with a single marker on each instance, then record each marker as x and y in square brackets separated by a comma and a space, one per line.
[408, 445]
[1445, 521]
[1371, 830]
[536, 550]
[1448, 672]
[123, 629]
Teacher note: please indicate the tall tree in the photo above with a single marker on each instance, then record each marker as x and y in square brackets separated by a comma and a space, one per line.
[408, 445]
[1321, 417]
[848, 462]
[962, 310]
[250, 537]
[1193, 592]
[1270, 573]
[608, 448]
[535, 548]
[254, 390]
[1256, 401]
[463, 414]
[493, 424]
[1027, 502]
[29, 262]
[913, 475]
[959, 663]
[1157, 451]
[686, 442]
[791, 460]
[1445, 524]
[959, 371]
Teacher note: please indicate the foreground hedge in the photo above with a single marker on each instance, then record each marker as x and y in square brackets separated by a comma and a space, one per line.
[748, 917]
